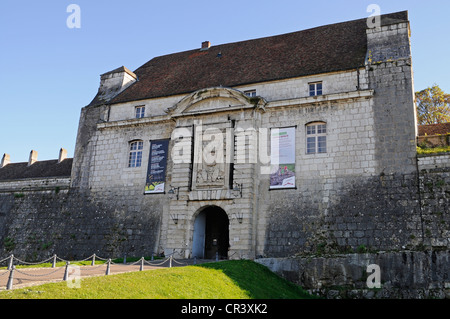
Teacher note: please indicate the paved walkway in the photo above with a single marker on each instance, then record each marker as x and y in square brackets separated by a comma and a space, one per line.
[25, 277]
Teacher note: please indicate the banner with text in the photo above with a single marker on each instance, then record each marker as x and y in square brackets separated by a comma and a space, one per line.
[282, 158]
[157, 164]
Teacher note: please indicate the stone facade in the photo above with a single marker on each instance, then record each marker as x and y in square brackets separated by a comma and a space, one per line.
[402, 275]
[366, 190]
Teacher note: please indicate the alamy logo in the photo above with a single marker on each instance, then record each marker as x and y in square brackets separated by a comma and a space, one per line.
[74, 19]
[74, 276]
[219, 146]
[374, 279]
[374, 20]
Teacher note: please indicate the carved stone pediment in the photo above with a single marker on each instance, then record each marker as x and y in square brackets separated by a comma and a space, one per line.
[217, 99]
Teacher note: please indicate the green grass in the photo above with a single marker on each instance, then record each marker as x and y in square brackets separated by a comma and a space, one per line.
[241, 279]
[434, 150]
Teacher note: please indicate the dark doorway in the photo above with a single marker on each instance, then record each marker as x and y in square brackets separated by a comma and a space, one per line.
[211, 234]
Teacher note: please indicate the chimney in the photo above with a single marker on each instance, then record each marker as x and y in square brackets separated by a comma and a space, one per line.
[62, 155]
[33, 157]
[205, 45]
[114, 82]
[5, 160]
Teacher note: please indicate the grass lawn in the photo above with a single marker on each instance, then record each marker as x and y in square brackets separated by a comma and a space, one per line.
[240, 279]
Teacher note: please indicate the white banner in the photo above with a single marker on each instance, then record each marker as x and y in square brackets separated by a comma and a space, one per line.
[282, 160]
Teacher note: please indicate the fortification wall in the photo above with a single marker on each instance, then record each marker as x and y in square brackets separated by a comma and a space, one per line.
[402, 275]
[385, 212]
[398, 222]
[390, 212]
[36, 224]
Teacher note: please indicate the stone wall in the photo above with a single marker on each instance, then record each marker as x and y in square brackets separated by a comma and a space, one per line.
[403, 275]
[372, 213]
[430, 162]
[333, 83]
[391, 77]
[49, 183]
[431, 141]
[37, 224]
[385, 212]
[406, 214]
[434, 177]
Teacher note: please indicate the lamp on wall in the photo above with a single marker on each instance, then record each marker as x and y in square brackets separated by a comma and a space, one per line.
[237, 188]
[172, 191]
[174, 218]
[239, 217]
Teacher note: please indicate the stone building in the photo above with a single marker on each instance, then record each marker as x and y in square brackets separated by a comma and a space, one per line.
[345, 90]
[268, 147]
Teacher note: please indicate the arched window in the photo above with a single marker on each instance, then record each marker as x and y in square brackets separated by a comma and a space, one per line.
[316, 138]
[135, 157]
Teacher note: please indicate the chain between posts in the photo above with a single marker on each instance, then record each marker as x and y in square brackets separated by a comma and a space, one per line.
[11, 270]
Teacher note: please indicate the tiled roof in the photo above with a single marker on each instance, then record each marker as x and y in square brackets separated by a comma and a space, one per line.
[330, 48]
[434, 129]
[39, 169]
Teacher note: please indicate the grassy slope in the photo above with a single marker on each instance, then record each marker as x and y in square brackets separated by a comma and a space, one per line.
[223, 280]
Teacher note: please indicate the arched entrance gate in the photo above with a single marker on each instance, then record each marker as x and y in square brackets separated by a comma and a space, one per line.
[211, 233]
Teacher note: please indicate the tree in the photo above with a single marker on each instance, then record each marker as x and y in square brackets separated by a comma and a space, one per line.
[433, 106]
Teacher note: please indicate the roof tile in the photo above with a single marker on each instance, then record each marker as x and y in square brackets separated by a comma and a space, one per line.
[40, 169]
[330, 48]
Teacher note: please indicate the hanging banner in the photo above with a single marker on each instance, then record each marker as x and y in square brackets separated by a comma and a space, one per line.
[282, 158]
[157, 164]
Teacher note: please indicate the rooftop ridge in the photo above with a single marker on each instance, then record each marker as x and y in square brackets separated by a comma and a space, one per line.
[328, 48]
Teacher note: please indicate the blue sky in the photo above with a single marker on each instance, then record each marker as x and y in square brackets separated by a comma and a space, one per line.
[49, 71]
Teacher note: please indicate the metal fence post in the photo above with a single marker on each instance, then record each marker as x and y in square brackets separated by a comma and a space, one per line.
[54, 261]
[108, 266]
[93, 260]
[142, 264]
[11, 278]
[152, 256]
[66, 272]
[125, 259]
[170, 262]
[11, 261]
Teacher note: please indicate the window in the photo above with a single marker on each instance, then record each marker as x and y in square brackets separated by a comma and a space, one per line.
[315, 89]
[135, 158]
[316, 138]
[250, 93]
[140, 112]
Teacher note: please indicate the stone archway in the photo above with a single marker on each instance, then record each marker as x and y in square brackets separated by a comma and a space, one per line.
[211, 233]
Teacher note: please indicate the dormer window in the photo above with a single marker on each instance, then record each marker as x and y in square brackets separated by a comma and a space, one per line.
[250, 93]
[315, 89]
